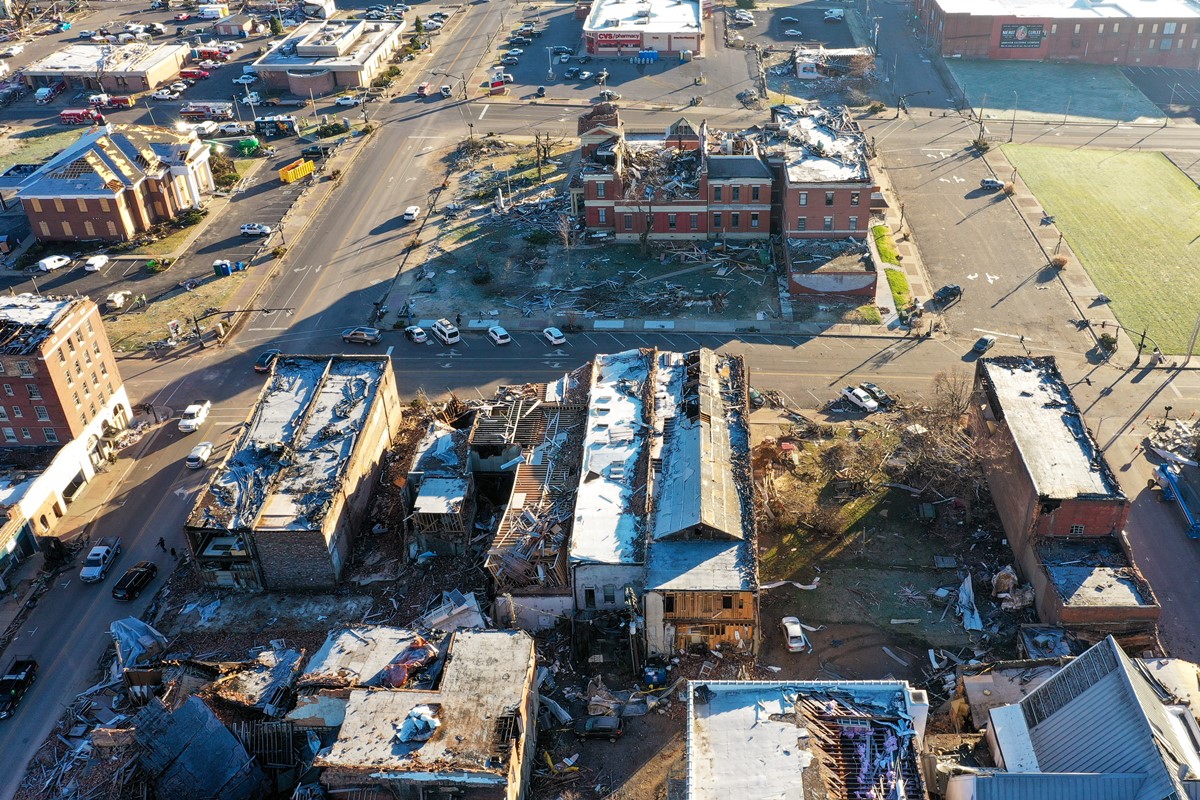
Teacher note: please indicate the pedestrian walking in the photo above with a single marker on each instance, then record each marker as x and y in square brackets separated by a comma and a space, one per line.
[173, 553]
[162, 543]
[458, 320]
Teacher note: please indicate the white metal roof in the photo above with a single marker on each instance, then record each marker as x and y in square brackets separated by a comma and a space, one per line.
[650, 16]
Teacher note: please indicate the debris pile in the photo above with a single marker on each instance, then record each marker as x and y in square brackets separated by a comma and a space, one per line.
[1180, 437]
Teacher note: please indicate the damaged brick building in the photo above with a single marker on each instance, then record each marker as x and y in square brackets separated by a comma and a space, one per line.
[803, 175]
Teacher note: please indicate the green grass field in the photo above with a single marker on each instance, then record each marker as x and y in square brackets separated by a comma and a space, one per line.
[1133, 220]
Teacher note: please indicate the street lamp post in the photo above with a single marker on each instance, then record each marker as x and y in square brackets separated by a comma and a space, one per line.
[875, 35]
[1013, 127]
[196, 320]
[550, 63]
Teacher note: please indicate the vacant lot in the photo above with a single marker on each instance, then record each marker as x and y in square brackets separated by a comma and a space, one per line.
[1131, 220]
[33, 146]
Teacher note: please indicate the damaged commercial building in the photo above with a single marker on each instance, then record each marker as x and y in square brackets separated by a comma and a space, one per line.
[440, 490]
[803, 175]
[282, 510]
[1061, 506]
[822, 740]
[471, 733]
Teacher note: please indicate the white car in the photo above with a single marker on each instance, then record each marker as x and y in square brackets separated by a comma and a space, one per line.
[13, 50]
[199, 456]
[232, 128]
[165, 94]
[95, 263]
[245, 80]
[585, 75]
[498, 335]
[792, 32]
[194, 416]
[208, 63]
[789, 20]
[835, 15]
[793, 635]
[178, 87]
[553, 336]
[433, 25]
[230, 47]
[50, 263]
[564, 59]
[860, 398]
[206, 128]
[348, 100]
[415, 334]
[256, 229]
[411, 213]
[516, 51]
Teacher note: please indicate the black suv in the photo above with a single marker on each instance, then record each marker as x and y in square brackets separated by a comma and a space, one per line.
[317, 151]
[600, 727]
[944, 295]
[135, 579]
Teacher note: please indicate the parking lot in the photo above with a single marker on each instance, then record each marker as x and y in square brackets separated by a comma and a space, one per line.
[771, 26]
[1174, 90]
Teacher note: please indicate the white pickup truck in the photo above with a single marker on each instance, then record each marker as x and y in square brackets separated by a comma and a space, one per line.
[100, 558]
[194, 416]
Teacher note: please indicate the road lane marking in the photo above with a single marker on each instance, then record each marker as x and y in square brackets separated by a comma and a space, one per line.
[483, 113]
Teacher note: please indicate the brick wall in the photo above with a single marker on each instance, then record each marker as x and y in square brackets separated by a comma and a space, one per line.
[1099, 517]
[824, 211]
[294, 560]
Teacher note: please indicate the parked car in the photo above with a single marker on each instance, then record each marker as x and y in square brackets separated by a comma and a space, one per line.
[859, 398]
[793, 33]
[251, 99]
[95, 264]
[878, 395]
[415, 334]
[609, 94]
[50, 263]
[265, 360]
[944, 295]
[165, 94]
[179, 86]
[571, 73]
[498, 335]
[586, 75]
[362, 335]
[194, 74]
[350, 100]
[553, 336]
[317, 151]
[182, 17]
[411, 213]
[600, 727]
[16, 680]
[245, 79]
[209, 63]
[234, 129]
[991, 184]
[521, 41]
[194, 415]
[510, 61]
[135, 580]
[983, 344]
[793, 635]
[835, 15]
[13, 50]
[565, 58]
[584, 59]
[561, 49]
[255, 229]
[199, 455]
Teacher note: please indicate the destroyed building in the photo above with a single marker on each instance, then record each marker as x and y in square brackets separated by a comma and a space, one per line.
[701, 574]
[440, 490]
[803, 175]
[282, 510]
[819, 740]
[1104, 725]
[470, 734]
[1061, 506]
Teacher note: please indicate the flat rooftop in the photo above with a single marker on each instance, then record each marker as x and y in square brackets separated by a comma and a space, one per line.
[441, 496]
[766, 739]
[606, 525]
[1093, 571]
[1121, 10]
[285, 467]
[820, 144]
[1063, 459]
[355, 656]
[650, 16]
[27, 319]
[137, 57]
[338, 44]
[487, 676]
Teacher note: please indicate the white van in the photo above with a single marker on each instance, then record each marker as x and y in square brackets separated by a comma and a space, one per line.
[211, 13]
[445, 331]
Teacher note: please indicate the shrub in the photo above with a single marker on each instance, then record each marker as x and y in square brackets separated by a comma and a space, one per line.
[482, 277]
[885, 244]
[225, 179]
[540, 237]
[332, 129]
[155, 266]
[279, 251]
[1108, 342]
[334, 174]
[276, 26]
[981, 144]
[1010, 188]
[1059, 261]
[193, 215]
[876, 107]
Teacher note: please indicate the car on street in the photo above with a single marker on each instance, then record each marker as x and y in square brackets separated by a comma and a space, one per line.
[944, 295]
[233, 129]
[206, 128]
[498, 335]
[255, 229]
[95, 263]
[510, 61]
[600, 727]
[245, 80]
[835, 15]
[878, 395]
[50, 263]
[194, 415]
[182, 17]
[789, 20]
[562, 49]
[553, 336]
[586, 75]
[411, 213]
[793, 635]
[609, 94]
[164, 94]
[571, 73]
[991, 184]
[350, 100]
[857, 397]
[983, 344]
[85, 34]
[265, 359]
[13, 50]
[135, 580]
[317, 151]
[793, 33]
[415, 334]
[199, 456]
[15, 681]
[362, 335]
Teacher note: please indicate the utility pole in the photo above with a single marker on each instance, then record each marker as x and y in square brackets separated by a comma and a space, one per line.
[982, 103]
[1013, 128]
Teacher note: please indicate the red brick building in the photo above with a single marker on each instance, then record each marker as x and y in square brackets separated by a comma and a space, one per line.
[804, 176]
[1148, 33]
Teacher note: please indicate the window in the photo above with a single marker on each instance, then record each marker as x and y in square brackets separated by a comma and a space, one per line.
[1153, 28]
[95, 380]
[602, 216]
[1101, 29]
[754, 193]
[668, 604]
[23, 368]
[88, 325]
[671, 222]
[62, 357]
[1194, 43]
[753, 219]
[735, 220]
[727, 601]
[717, 194]
[589, 597]
[1077, 530]
[1141, 27]
[1182, 28]
[1151, 43]
[41, 413]
[1116, 27]
[801, 223]
[1053, 29]
[75, 397]
[610, 594]
[829, 198]
[1169, 28]
[25, 434]
[78, 368]
[828, 224]
[804, 198]
[70, 344]
[694, 222]
[50, 435]
[58, 205]
[854, 198]
[717, 219]
[854, 223]
[10, 435]
[1077, 28]
[628, 222]
[87, 358]
[600, 189]
[737, 194]
[1, 367]
[17, 412]
[1165, 44]
[3, 414]
[8, 390]
[96, 348]
[83, 418]
[79, 335]
[92, 409]
[108, 388]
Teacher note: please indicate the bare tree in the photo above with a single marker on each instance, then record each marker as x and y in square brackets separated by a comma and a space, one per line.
[543, 148]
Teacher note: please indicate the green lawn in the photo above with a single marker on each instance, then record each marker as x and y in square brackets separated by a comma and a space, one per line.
[1132, 219]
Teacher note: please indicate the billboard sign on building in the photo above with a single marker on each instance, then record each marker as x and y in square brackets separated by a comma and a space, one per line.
[622, 39]
[1021, 36]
